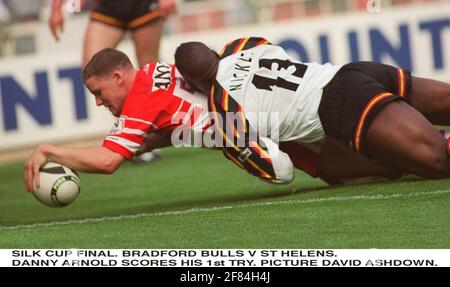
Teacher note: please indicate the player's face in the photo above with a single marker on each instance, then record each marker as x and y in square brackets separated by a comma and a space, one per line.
[201, 84]
[107, 93]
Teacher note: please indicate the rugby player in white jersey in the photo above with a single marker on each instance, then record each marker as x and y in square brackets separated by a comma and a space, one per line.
[377, 110]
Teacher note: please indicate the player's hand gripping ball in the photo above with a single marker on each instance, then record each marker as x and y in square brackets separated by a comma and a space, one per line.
[59, 185]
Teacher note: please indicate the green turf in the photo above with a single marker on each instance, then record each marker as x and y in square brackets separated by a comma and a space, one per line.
[235, 210]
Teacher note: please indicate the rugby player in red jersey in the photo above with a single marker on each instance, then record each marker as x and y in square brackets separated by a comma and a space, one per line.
[152, 101]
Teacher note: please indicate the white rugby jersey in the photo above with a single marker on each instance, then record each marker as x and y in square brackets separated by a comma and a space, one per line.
[275, 98]
[266, 81]
[159, 100]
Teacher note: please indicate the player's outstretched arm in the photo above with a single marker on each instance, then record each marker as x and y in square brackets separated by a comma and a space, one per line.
[92, 159]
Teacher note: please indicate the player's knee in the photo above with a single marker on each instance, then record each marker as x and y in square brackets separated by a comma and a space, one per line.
[438, 161]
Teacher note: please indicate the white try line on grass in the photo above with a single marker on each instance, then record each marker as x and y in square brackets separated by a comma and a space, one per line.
[211, 209]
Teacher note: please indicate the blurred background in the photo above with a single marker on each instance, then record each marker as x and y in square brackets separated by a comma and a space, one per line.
[42, 98]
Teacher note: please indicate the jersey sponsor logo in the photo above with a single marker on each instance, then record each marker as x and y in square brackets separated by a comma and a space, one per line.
[161, 77]
[118, 126]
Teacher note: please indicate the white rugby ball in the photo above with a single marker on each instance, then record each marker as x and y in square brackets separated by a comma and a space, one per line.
[59, 185]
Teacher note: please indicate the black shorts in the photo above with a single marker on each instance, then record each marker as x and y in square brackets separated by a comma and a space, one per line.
[353, 97]
[125, 14]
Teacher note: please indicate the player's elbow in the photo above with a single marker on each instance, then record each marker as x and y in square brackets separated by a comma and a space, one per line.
[279, 180]
[283, 168]
[285, 177]
[107, 169]
[109, 166]
[283, 173]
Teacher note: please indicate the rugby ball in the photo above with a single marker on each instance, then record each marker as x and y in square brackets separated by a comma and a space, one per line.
[59, 185]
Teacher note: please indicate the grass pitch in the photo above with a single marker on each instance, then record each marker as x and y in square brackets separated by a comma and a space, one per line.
[197, 199]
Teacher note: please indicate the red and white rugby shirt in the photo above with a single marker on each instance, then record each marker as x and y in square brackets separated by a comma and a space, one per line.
[159, 100]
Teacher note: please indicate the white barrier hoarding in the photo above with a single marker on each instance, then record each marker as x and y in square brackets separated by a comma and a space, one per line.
[415, 38]
[42, 98]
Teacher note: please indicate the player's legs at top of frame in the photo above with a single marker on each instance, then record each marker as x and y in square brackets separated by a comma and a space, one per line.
[110, 19]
